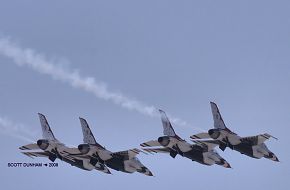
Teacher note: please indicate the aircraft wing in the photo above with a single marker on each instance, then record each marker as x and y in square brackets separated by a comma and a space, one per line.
[128, 154]
[150, 143]
[157, 150]
[32, 146]
[200, 136]
[210, 144]
[258, 139]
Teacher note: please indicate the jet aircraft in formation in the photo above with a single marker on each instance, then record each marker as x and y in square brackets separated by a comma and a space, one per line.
[202, 151]
[52, 149]
[125, 161]
[252, 146]
[88, 156]
[91, 155]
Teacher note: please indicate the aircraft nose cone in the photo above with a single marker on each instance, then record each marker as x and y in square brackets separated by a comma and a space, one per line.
[149, 173]
[275, 159]
[227, 165]
[108, 172]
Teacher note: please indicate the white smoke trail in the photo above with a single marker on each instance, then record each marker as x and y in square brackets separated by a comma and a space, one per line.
[38, 62]
[16, 130]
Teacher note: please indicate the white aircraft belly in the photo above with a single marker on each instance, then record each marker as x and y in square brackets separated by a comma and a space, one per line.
[104, 154]
[234, 139]
[208, 159]
[129, 166]
[87, 165]
[257, 152]
[184, 146]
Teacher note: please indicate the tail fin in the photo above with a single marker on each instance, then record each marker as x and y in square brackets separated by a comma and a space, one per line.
[88, 136]
[167, 127]
[46, 130]
[217, 117]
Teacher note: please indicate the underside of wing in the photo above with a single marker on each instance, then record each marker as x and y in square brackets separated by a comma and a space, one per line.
[150, 143]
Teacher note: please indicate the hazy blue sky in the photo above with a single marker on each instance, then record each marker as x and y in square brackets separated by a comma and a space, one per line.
[174, 55]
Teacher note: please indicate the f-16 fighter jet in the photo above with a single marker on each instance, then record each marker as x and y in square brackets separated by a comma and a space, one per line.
[202, 152]
[252, 146]
[53, 149]
[125, 161]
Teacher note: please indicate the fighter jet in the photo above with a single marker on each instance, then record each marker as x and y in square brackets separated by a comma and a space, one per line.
[124, 161]
[52, 149]
[252, 146]
[202, 151]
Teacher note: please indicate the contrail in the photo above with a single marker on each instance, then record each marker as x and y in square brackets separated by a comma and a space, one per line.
[16, 130]
[38, 62]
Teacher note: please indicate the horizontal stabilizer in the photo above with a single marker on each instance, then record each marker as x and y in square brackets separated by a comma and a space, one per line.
[210, 144]
[150, 143]
[29, 147]
[200, 136]
[72, 151]
[157, 150]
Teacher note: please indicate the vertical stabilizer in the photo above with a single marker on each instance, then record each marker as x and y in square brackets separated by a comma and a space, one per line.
[46, 130]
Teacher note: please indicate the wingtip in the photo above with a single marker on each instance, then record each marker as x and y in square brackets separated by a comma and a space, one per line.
[267, 134]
